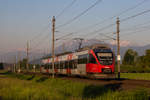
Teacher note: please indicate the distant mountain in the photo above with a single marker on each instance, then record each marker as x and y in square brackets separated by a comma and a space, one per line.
[139, 49]
[72, 46]
[13, 56]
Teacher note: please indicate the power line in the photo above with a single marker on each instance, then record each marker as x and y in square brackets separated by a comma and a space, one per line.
[109, 37]
[38, 37]
[125, 19]
[79, 15]
[66, 8]
[64, 36]
[119, 14]
[40, 42]
[96, 31]
[129, 33]
[133, 16]
[131, 8]
[40, 33]
[135, 27]
[126, 10]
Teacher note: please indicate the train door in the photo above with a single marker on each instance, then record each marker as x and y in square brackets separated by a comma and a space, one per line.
[81, 66]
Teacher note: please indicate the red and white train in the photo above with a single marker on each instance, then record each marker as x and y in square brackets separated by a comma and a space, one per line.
[94, 61]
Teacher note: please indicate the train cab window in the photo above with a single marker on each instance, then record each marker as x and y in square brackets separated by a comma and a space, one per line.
[92, 59]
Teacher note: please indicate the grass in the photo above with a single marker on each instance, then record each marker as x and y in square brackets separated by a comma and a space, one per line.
[30, 87]
[138, 76]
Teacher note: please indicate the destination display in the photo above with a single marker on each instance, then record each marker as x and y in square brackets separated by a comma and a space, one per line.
[104, 54]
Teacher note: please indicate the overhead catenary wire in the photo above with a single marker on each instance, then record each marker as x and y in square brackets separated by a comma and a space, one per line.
[110, 25]
[127, 29]
[119, 14]
[65, 9]
[135, 28]
[123, 20]
[79, 15]
[62, 37]
[133, 16]
[39, 42]
[134, 32]
[40, 33]
[101, 29]
[109, 37]
[129, 9]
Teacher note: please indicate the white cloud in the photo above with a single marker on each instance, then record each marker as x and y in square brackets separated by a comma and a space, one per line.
[122, 43]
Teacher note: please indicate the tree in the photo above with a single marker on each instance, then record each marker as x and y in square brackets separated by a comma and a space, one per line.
[1, 66]
[130, 57]
[23, 63]
[147, 58]
[144, 61]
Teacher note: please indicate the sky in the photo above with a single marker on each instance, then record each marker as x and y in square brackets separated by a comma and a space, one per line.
[30, 20]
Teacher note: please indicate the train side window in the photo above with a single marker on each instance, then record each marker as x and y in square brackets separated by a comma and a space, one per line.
[66, 64]
[46, 66]
[54, 65]
[71, 64]
[83, 59]
[50, 66]
[92, 59]
[61, 65]
[75, 63]
[58, 65]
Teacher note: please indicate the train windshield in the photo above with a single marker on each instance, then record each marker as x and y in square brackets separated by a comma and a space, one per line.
[105, 56]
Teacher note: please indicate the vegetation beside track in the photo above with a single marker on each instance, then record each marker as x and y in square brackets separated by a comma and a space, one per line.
[30, 87]
[137, 76]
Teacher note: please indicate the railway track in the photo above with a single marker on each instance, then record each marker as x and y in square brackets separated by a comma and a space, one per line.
[122, 84]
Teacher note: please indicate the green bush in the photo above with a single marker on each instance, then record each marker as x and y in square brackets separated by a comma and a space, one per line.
[134, 69]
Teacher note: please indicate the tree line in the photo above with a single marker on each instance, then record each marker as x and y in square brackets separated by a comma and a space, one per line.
[132, 62]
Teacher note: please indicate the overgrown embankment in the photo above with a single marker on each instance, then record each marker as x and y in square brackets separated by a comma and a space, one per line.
[31, 87]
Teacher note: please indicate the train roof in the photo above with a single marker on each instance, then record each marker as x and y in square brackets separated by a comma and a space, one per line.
[63, 53]
[96, 46]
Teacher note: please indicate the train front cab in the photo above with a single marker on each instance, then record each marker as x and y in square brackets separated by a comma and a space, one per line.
[101, 63]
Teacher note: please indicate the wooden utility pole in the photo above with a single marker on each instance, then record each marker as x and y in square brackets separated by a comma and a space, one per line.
[15, 64]
[53, 43]
[118, 47]
[27, 64]
[19, 65]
